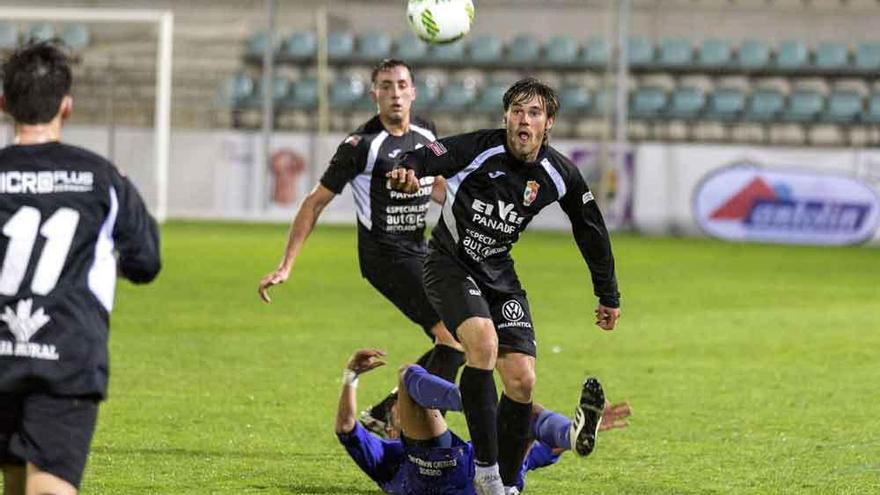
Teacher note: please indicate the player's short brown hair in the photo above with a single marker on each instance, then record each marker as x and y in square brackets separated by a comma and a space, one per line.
[388, 64]
[524, 89]
[36, 77]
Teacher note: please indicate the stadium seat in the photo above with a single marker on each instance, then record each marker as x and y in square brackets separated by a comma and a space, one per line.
[8, 36]
[340, 46]
[714, 53]
[792, 55]
[256, 44]
[596, 53]
[871, 113]
[675, 52]
[299, 46]
[868, 56]
[346, 92]
[450, 54]
[426, 95]
[410, 48]
[76, 37]
[373, 46]
[686, 103]
[832, 56]
[523, 50]
[303, 95]
[640, 52]
[648, 102]
[753, 55]
[573, 100]
[726, 104]
[604, 102]
[843, 107]
[489, 99]
[280, 91]
[765, 105]
[485, 50]
[235, 91]
[41, 32]
[560, 51]
[456, 96]
[803, 106]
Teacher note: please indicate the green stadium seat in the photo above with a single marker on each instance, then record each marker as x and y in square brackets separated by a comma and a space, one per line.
[792, 56]
[489, 99]
[523, 49]
[686, 103]
[485, 50]
[832, 56]
[410, 48]
[714, 53]
[280, 91]
[8, 36]
[560, 51]
[871, 113]
[765, 105]
[340, 46]
[449, 54]
[675, 52]
[868, 56]
[753, 55]
[76, 37]
[803, 106]
[455, 97]
[41, 32]
[303, 95]
[345, 93]
[648, 102]
[256, 44]
[426, 95]
[604, 102]
[640, 52]
[235, 91]
[574, 100]
[300, 46]
[373, 47]
[726, 104]
[843, 107]
[596, 53]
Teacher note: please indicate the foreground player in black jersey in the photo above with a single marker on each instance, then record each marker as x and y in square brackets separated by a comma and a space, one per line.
[497, 181]
[391, 224]
[66, 214]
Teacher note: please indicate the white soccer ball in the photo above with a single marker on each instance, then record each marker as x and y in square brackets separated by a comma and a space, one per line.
[440, 21]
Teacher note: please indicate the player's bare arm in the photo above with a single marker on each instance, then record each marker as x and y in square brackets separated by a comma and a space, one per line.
[438, 191]
[360, 362]
[606, 318]
[302, 226]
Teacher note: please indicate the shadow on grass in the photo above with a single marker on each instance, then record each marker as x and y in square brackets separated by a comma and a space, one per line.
[196, 453]
[308, 489]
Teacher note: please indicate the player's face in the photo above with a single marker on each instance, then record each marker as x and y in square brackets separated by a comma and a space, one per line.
[394, 93]
[527, 124]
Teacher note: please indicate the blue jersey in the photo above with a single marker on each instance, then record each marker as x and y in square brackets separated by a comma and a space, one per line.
[401, 469]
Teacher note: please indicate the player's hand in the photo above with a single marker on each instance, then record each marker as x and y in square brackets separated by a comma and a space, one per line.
[403, 180]
[606, 317]
[615, 416]
[364, 360]
[279, 276]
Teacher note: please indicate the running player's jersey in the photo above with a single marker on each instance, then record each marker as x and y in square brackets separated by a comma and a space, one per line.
[65, 215]
[387, 219]
[492, 196]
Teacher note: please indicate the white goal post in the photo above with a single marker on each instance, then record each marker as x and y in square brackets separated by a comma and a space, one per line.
[164, 20]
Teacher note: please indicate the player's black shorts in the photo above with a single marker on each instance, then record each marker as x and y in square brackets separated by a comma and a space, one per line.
[457, 297]
[399, 278]
[50, 432]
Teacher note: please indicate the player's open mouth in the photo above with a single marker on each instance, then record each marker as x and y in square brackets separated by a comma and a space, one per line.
[523, 136]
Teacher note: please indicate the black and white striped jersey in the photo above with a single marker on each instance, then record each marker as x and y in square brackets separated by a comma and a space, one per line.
[69, 221]
[491, 197]
[387, 219]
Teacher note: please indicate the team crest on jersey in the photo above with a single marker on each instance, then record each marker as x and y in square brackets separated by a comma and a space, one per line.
[437, 147]
[353, 140]
[531, 192]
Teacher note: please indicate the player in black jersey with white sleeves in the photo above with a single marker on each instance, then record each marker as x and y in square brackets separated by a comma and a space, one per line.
[70, 221]
[391, 224]
[497, 181]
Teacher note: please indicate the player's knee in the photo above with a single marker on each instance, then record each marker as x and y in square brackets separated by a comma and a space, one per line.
[401, 373]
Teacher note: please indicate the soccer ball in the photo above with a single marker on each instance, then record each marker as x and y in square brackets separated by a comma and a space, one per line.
[440, 21]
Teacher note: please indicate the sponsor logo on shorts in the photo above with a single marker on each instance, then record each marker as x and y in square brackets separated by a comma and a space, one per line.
[512, 310]
[476, 289]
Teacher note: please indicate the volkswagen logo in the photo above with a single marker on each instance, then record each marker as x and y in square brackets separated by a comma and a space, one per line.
[512, 310]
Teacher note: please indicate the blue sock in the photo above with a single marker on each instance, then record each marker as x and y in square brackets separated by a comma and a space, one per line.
[431, 391]
[552, 429]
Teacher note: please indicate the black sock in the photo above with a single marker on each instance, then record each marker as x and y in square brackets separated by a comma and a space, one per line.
[381, 410]
[445, 362]
[480, 401]
[513, 437]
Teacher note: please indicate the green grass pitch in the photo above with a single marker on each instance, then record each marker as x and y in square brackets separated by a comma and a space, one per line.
[750, 368]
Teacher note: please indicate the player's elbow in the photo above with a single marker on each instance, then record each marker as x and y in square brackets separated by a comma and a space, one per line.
[344, 426]
[141, 271]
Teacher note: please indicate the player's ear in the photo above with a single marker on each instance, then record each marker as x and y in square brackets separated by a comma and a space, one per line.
[550, 122]
[373, 95]
[66, 107]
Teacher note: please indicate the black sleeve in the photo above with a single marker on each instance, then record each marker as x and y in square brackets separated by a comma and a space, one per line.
[591, 236]
[444, 157]
[346, 164]
[135, 234]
